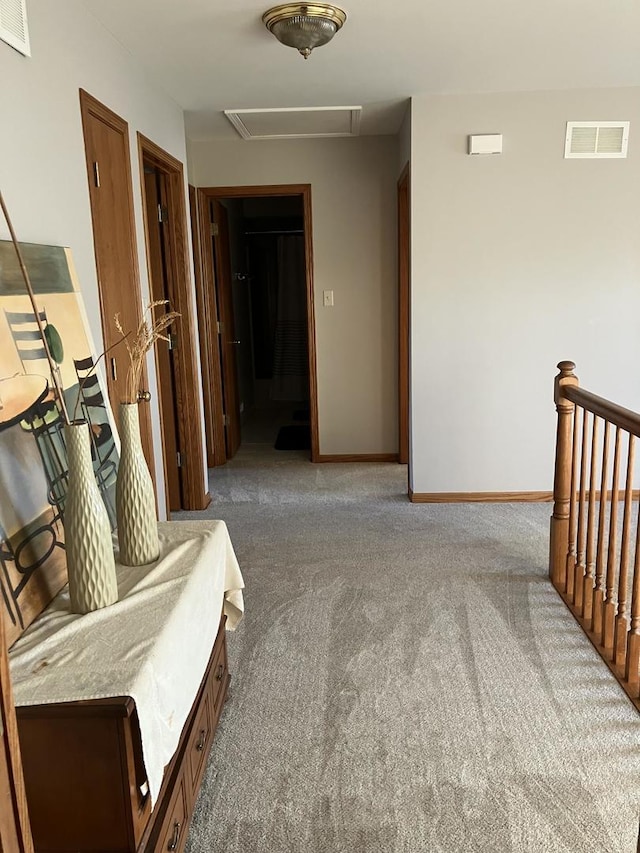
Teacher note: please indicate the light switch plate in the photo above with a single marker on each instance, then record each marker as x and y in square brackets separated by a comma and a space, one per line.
[327, 298]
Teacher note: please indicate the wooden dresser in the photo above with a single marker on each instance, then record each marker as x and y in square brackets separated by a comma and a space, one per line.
[85, 778]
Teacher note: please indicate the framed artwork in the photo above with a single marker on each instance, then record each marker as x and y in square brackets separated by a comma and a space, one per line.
[33, 461]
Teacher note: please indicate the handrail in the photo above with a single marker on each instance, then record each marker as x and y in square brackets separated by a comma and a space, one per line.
[626, 419]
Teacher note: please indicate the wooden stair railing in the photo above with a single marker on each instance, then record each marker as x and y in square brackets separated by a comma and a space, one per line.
[594, 559]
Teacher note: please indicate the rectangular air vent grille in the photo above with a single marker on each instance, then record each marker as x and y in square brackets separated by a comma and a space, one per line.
[596, 139]
[13, 25]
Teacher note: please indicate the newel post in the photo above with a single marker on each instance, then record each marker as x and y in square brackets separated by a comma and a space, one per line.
[559, 535]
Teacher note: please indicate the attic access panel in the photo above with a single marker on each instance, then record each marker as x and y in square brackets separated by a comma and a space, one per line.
[296, 122]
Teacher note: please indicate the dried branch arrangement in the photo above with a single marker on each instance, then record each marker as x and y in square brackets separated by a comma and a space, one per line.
[139, 343]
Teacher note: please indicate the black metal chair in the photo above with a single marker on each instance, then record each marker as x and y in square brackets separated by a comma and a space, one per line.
[44, 421]
[27, 338]
[103, 448]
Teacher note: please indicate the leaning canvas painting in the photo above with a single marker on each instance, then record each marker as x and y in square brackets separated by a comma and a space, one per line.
[33, 461]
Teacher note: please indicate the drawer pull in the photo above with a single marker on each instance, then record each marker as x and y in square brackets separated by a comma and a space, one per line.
[173, 844]
[203, 737]
[220, 672]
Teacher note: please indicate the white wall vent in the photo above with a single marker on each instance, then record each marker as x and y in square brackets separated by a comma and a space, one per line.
[13, 25]
[596, 139]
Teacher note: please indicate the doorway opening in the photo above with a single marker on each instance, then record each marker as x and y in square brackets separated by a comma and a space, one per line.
[258, 341]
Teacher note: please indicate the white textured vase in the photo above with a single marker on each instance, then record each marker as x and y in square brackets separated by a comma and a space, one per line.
[135, 498]
[87, 531]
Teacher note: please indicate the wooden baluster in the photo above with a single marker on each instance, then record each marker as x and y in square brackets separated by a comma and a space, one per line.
[598, 592]
[622, 618]
[608, 621]
[633, 637]
[569, 571]
[589, 580]
[578, 586]
[559, 538]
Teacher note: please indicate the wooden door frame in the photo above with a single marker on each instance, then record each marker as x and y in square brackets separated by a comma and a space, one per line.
[90, 106]
[210, 353]
[404, 307]
[187, 402]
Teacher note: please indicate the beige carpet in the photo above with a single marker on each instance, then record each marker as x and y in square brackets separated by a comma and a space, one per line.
[406, 679]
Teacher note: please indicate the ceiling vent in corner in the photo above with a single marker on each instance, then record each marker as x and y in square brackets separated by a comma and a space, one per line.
[13, 25]
[596, 139]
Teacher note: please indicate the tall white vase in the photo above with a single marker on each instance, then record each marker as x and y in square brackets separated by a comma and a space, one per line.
[135, 498]
[90, 562]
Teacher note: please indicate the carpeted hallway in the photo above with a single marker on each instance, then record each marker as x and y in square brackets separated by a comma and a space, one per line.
[405, 679]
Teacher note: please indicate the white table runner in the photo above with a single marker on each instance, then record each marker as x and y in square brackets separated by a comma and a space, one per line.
[153, 644]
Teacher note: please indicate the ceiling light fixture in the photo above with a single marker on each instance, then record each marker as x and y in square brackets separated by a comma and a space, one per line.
[304, 25]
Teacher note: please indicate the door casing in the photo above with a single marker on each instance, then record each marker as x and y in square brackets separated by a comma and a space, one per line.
[404, 288]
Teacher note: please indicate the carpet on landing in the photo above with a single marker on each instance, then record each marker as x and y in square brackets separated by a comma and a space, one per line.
[405, 679]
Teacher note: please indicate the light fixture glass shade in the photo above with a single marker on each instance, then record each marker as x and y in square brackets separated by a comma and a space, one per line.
[305, 25]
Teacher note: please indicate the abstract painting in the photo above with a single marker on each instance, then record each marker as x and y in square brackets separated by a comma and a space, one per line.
[33, 461]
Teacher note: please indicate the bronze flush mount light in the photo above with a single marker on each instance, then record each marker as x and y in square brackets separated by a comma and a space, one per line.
[304, 25]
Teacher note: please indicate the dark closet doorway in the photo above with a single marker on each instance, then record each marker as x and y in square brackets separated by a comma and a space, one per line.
[257, 280]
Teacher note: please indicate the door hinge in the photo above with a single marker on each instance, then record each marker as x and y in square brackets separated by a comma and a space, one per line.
[219, 325]
[173, 341]
[96, 174]
[215, 231]
[163, 213]
[179, 459]
[226, 420]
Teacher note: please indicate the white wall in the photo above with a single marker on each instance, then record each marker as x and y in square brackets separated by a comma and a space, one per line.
[404, 141]
[42, 167]
[354, 243]
[519, 261]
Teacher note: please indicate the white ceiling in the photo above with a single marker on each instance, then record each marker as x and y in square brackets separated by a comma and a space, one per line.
[210, 56]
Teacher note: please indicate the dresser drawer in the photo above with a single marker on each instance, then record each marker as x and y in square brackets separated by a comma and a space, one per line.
[199, 745]
[173, 835]
[219, 677]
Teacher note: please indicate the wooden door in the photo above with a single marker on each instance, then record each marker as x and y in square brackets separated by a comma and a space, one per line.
[205, 313]
[158, 251]
[404, 283]
[226, 334]
[106, 142]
